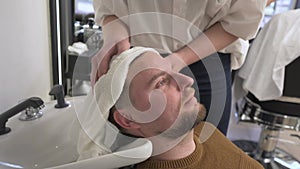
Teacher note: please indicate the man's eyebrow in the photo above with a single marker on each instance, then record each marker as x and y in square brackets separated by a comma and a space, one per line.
[156, 76]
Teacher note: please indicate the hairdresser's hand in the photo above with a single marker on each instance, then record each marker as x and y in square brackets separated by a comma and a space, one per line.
[176, 61]
[101, 61]
[115, 41]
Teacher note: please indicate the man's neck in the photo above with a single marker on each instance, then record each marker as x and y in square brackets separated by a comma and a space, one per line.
[184, 148]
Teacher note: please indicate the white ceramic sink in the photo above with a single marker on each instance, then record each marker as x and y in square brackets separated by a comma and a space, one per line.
[50, 142]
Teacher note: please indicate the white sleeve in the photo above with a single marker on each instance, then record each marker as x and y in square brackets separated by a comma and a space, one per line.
[103, 8]
[244, 17]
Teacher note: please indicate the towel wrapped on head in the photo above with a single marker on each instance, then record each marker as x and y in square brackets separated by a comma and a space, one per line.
[97, 135]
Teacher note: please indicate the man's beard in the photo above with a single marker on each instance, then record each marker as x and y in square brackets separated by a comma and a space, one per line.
[185, 123]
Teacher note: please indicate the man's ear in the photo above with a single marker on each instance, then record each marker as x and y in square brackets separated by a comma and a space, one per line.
[124, 122]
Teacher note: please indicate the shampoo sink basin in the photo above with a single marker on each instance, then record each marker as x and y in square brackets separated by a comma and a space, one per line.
[51, 142]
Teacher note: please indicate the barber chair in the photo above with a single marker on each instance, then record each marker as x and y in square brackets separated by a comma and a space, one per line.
[273, 116]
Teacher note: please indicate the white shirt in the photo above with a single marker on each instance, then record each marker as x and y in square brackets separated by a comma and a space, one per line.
[277, 45]
[181, 21]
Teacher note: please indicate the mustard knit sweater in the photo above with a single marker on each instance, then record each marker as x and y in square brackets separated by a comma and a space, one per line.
[213, 151]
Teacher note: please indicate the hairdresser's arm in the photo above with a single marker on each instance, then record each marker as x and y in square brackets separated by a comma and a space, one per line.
[115, 41]
[211, 41]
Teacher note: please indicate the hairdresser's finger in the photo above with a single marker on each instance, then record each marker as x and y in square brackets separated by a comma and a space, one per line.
[100, 63]
[176, 61]
[123, 45]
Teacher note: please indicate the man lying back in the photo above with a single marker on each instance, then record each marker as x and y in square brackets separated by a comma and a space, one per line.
[159, 104]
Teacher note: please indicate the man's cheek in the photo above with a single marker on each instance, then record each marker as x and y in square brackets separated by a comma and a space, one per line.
[158, 102]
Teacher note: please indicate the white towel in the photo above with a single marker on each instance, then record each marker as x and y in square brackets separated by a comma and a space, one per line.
[276, 46]
[97, 135]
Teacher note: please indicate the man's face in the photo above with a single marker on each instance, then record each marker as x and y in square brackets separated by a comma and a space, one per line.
[162, 100]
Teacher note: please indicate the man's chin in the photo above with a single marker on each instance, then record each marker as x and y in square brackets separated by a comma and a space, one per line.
[201, 114]
[201, 111]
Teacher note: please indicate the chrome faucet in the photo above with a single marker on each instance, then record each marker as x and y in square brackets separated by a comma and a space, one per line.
[33, 103]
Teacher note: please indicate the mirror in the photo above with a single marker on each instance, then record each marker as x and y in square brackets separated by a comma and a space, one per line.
[74, 39]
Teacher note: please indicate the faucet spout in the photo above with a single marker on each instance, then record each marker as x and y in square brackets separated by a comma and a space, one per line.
[34, 102]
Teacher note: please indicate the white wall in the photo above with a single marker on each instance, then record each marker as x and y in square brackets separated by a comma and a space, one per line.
[25, 69]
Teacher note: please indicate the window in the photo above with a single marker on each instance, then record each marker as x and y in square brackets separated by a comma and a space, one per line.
[277, 7]
[84, 6]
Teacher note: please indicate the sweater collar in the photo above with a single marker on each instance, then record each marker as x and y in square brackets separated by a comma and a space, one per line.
[190, 160]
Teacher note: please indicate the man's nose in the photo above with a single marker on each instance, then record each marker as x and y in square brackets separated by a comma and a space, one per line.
[182, 80]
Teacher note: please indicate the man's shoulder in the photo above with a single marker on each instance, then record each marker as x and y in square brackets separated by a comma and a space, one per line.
[222, 149]
[214, 141]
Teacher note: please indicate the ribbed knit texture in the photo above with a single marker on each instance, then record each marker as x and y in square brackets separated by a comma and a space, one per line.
[213, 151]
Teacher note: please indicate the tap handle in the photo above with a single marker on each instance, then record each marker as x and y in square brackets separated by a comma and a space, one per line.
[33, 102]
[58, 92]
[37, 102]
